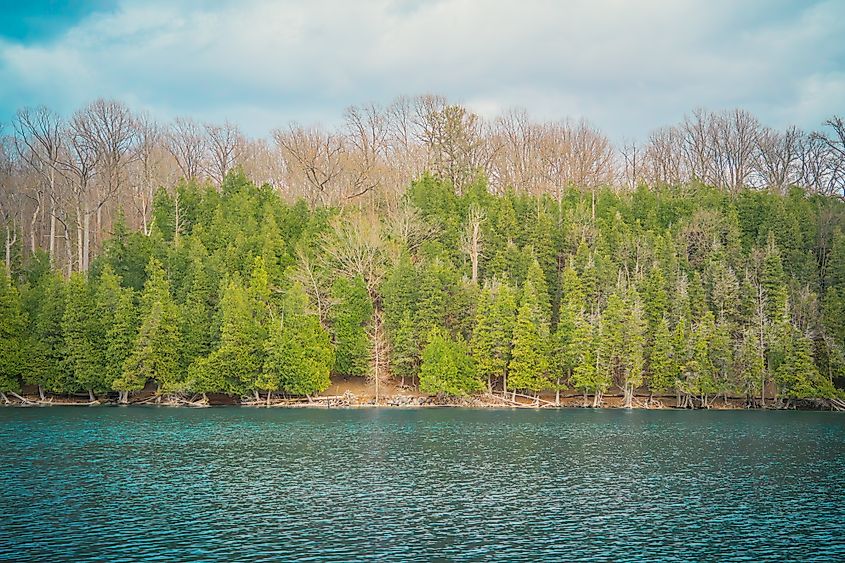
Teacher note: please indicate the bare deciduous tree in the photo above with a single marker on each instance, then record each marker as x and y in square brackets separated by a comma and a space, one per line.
[186, 142]
[314, 160]
[225, 145]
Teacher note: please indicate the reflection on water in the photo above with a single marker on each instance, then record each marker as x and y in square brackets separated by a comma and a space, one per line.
[120, 484]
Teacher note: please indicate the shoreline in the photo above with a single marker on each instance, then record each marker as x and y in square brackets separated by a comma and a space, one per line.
[486, 402]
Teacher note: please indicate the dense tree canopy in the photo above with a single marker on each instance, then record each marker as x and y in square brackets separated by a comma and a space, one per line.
[691, 290]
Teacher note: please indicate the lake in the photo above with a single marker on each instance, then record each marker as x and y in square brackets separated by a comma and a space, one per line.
[227, 484]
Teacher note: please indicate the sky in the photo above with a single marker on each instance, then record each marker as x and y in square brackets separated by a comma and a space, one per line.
[627, 66]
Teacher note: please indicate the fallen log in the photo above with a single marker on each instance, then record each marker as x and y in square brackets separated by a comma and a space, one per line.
[23, 400]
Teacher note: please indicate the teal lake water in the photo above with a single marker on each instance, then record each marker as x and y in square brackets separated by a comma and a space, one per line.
[240, 484]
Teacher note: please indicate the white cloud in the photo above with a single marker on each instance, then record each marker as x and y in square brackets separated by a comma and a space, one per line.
[626, 66]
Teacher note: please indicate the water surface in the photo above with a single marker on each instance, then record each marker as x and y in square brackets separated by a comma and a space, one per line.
[240, 484]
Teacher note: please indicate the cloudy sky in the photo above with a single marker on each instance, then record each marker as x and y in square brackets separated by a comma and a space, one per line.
[627, 66]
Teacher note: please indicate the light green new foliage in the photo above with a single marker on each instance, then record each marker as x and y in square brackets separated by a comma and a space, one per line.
[299, 355]
[12, 335]
[447, 366]
[529, 365]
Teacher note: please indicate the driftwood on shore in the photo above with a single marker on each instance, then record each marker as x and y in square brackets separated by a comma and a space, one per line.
[349, 399]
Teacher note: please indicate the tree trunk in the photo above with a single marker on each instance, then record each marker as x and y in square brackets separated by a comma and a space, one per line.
[79, 243]
[91, 396]
[6, 400]
[268, 398]
[86, 242]
[123, 397]
[557, 393]
[257, 396]
[41, 393]
[10, 241]
[53, 233]
[32, 227]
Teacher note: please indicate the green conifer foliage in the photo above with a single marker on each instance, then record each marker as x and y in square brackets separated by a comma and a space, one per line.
[116, 309]
[13, 341]
[155, 354]
[797, 376]
[447, 366]
[299, 355]
[529, 365]
[49, 368]
[774, 283]
[662, 367]
[349, 318]
[405, 350]
[84, 337]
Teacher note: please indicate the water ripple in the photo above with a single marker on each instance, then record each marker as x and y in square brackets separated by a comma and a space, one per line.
[237, 484]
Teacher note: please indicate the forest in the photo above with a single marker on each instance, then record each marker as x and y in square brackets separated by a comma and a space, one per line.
[477, 258]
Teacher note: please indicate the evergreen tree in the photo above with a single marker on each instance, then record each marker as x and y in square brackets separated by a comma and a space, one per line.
[701, 373]
[198, 332]
[84, 338]
[537, 277]
[572, 293]
[447, 366]
[299, 356]
[749, 364]
[116, 309]
[348, 319]
[529, 365]
[13, 341]
[405, 352]
[662, 367]
[655, 301]
[797, 376]
[491, 338]
[564, 351]
[48, 368]
[774, 283]
[235, 366]
[120, 340]
[586, 377]
[155, 354]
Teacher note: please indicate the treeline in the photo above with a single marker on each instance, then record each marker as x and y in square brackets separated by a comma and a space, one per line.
[691, 290]
[65, 179]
